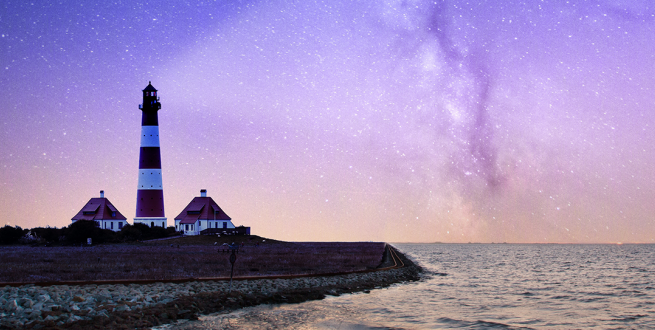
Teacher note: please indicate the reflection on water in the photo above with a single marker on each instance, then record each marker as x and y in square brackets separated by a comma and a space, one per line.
[484, 286]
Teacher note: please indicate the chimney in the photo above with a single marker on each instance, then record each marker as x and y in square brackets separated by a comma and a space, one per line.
[102, 194]
[203, 192]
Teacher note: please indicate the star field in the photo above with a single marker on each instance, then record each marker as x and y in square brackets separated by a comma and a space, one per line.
[414, 121]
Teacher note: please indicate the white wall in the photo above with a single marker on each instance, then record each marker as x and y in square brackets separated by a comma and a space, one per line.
[201, 225]
[150, 178]
[192, 228]
[159, 222]
[216, 224]
[150, 136]
[107, 224]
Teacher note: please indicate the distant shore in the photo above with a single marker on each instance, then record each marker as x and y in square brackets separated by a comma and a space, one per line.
[120, 306]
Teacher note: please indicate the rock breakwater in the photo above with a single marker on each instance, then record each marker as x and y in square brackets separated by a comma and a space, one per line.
[119, 306]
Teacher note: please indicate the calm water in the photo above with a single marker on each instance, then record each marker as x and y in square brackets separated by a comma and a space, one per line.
[483, 286]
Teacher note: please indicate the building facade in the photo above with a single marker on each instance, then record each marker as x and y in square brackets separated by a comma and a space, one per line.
[200, 214]
[103, 212]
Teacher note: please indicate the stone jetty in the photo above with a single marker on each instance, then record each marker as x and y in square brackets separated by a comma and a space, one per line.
[145, 305]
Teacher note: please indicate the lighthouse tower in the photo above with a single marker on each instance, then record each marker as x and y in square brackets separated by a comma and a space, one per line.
[150, 193]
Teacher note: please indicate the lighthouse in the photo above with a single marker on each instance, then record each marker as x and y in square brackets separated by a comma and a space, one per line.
[150, 192]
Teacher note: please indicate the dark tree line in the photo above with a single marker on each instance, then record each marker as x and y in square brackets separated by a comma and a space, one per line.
[79, 231]
[11, 235]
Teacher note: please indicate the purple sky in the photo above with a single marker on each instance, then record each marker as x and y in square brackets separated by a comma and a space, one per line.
[388, 120]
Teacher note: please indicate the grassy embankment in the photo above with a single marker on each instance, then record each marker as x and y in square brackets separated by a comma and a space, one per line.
[185, 257]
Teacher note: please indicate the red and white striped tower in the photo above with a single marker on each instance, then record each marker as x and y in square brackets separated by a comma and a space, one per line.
[150, 193]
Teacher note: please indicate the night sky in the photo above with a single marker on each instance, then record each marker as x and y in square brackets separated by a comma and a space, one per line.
[400, 121]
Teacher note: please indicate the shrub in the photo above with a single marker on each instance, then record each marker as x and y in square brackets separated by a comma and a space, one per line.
[172, 232]
[154, 232]
[143, 232]
[48, 234]
[11, 235]
[130, 233]
[80, 230]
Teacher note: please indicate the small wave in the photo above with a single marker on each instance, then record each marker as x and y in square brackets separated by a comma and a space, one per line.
[634, 293]
[590, 299]
[338, 324]
[604, 294]
[489, 325]
[480, 324]
[453, 322]
[628, 318]
[535, 321]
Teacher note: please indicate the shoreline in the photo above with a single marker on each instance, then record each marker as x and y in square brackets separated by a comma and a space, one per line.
[162, 303]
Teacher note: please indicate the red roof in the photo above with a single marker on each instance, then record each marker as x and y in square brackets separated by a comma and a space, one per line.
[98, 209]
[202, 208]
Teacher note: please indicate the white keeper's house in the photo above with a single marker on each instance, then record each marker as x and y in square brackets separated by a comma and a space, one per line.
[202, 213]
[102, 211]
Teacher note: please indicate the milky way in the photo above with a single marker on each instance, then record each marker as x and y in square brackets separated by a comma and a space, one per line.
[393, 120]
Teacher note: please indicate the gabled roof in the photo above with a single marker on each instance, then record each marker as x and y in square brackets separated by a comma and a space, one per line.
[202, 208]
[98, 209]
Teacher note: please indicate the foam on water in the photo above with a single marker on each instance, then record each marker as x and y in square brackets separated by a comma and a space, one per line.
[481, 286]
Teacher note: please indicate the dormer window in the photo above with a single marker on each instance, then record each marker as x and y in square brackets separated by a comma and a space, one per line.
[192, 212]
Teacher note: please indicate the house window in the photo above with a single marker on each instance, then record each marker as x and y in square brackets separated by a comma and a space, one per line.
[191, 227]
[163, 225]
[120, 225]
[105, 225]
[187, 227]
[112, 225]
[113, 214]
[175, 227]
[152, 224]
[224, 224]
[199, 224]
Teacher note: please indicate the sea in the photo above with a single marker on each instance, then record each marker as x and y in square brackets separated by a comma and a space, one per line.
[483, 286]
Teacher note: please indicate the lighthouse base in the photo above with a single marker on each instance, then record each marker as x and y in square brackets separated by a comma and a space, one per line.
[151, 221]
